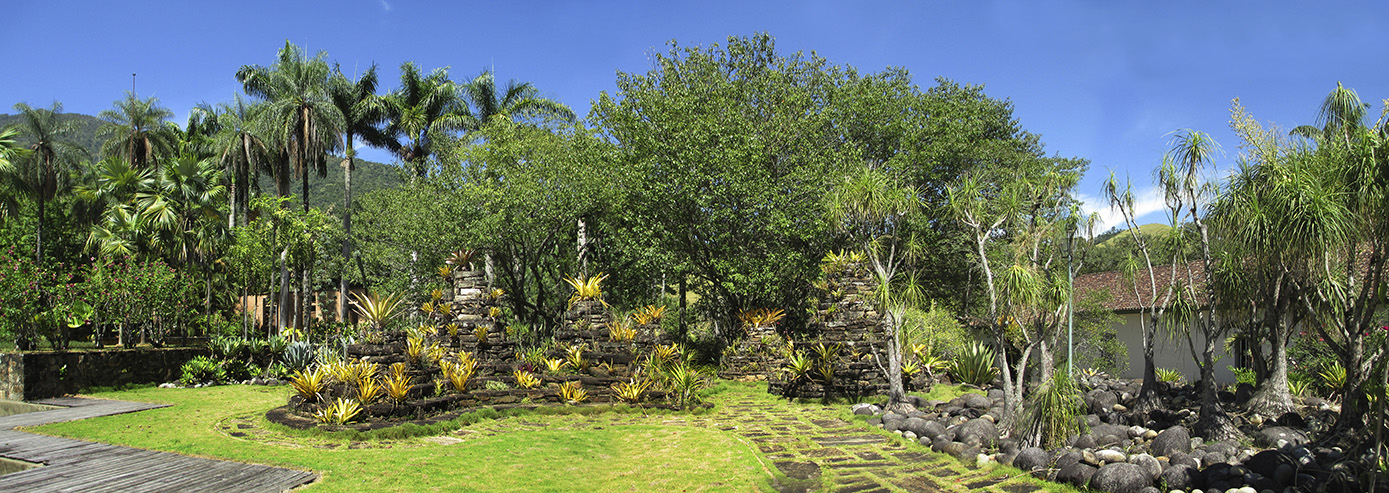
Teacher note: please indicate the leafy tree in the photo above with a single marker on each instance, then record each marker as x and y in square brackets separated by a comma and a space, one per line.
[138, 131]
[726, 152]
[48, 167]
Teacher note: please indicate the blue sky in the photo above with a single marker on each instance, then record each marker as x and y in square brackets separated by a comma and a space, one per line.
[1105, 81]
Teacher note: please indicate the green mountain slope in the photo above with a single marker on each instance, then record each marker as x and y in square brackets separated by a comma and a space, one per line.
[324, 193]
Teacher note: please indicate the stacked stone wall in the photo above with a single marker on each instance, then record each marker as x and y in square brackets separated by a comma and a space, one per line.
[846, 322]
[40, 375]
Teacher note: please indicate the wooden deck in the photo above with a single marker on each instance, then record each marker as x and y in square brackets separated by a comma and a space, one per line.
[75, 465]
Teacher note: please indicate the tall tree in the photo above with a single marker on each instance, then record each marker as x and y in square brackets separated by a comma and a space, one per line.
[138, 131]
[362, 110]
[517, 101]
[423, 113]
[299, 112]
[872, 208]
[51, 158]
[300, 116]
[242, 152]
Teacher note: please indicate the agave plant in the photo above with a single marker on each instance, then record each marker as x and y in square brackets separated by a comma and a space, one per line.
[573, 392]
[590, 288]
[377, 309]
[526, 379]
[298, 355]
[974, 365]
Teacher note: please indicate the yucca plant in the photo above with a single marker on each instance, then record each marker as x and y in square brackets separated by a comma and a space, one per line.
[377, 309]
[481, 333]
[1054, 413]
[649, 314]
[590, 288]
[368, 391]
[554, 365]
[631, 391]
[1299, 387]
[310, 384]
[573, 392]
[338, 372]
[453, 329]
[910, 367]
[1170, 375]
[339, 412]
[974, 365]
[525, 379]
[621, 331]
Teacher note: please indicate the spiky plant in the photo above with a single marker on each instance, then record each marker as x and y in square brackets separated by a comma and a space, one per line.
[340, 412]
[649, 314]
[398, 384]
[798, 365]
[974, 365]
[631, 391]
[461, 258]
[369, 390]
[377, 309]
[554, 365]
[573, 392]
[526, 379]
[1170, 375]
[574, 358]
[621, 331]
[590, 288]
[1054, 413]
[310, 384]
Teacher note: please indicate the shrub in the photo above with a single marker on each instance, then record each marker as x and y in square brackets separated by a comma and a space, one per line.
[1170, 375]
[1243, 375]
[1054, 413]
[935, 329]
[202, 369]
[974, 365]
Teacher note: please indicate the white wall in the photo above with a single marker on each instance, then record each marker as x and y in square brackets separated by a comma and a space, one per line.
[1174, 354]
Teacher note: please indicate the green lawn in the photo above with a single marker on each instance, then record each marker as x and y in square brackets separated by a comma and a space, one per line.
[602, 452]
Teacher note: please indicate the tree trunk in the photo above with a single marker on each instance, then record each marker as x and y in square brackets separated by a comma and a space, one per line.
[1046, 363]
[305, 296]
[346, 227]
[1272, 397]
[1213, 422]
[1149, 397]
[583, 249]
[282, 314]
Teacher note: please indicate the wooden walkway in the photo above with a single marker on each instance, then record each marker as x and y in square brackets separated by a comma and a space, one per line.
[75, 465]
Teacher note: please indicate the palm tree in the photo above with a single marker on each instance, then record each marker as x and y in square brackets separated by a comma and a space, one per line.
[11, 150]
[242, 152]
[138, 131]
[109, 188]
[362, 110]
[298, 113]
[423, 112]
[517, 101]
[51, 157]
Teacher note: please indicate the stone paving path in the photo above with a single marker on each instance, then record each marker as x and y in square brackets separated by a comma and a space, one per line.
[812, 446]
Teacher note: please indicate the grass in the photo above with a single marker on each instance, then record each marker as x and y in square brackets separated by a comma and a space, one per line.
[945, 392]
[617, 451]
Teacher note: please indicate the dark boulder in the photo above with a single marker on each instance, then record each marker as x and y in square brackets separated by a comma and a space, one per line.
[1181, 477]
[1183, 459]
[915, 425]
[1170, 441]
[1291, 420]
[977, 432]
[1266, 463]
[1077, 474]
[1101, 401]
[1120, 477]
[976, 401]
[893, 421]
[1269, 437]
[1148, 463]
[1030, 458]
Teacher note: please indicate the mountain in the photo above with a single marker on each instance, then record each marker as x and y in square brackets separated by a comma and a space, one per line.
[324, 193]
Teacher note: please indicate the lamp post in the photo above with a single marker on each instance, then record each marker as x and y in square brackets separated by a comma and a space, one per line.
[1070, 296]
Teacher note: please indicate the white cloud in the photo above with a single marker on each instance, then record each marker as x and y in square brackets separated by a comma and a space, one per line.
[385, 6]
[1147, 206]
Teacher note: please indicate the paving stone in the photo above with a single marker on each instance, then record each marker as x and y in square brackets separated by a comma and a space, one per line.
[918, 484]
[1020, 488]
[850, 440]
[869, 455]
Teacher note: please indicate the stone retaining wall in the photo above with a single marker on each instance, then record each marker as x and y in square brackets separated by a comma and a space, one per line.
[29, 376]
